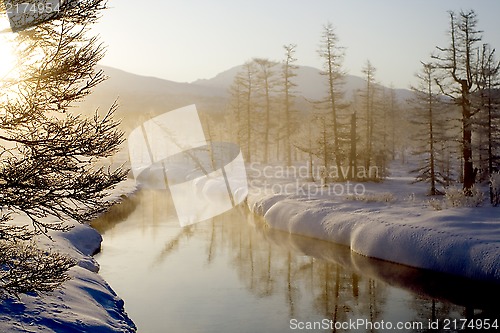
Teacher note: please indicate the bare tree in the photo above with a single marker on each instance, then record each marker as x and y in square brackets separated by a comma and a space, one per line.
[489, 92]
[332, 55]
[48, 153]
[369, 96]
[236, 109]
[288, 73]
[426, 105]
[266, 77]
[243, 92]
[394, 120]
[459, 64]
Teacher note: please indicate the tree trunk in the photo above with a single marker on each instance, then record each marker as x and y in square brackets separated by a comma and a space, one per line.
[468, 171]
[268, 123]
[431, 149]
[352, 158]
[288, 148]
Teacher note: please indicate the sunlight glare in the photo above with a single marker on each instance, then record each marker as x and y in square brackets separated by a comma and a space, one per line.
[7, 56]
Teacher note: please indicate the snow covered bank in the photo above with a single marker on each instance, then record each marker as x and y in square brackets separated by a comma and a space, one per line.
[392, 221]
[86, 303]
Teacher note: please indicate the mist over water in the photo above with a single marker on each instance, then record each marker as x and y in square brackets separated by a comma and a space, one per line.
[232, 273]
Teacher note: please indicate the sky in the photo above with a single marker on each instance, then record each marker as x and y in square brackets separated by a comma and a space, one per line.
[186, 40]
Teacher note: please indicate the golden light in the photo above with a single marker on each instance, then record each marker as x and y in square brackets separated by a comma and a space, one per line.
[7, 54]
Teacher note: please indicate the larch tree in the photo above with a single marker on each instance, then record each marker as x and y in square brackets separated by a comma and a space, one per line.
[288, 73]
[242, 91]
[426, 106]
[235, 109]
[267, 81]
[459, 63]
[332, 55]
[48, 152]
[368, 96]
[393, 121]
[489, 93]
[488, 123]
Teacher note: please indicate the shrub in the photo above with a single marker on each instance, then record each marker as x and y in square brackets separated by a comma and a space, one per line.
[495, 189]
[436, 204]
[456, 197]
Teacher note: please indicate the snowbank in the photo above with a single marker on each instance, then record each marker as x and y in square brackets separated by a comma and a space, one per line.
[404, 229]
[86, 303]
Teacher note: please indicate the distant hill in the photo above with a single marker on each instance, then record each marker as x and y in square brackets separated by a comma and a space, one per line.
[140, 96]
[310, 83]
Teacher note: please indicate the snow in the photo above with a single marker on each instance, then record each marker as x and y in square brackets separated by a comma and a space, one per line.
[85, 303]
[392, 220]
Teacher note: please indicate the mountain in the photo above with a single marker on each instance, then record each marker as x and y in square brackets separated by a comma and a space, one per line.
[122, 81]
[310, 84]
[141, 97]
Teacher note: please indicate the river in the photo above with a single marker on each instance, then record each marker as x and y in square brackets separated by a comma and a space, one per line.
[234, 274]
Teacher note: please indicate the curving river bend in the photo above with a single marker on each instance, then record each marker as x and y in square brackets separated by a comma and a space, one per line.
[234, 274]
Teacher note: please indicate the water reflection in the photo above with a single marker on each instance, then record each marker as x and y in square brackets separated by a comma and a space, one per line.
[439, 286]
[235, 274]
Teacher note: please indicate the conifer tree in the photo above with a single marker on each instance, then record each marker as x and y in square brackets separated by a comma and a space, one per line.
[49, 153]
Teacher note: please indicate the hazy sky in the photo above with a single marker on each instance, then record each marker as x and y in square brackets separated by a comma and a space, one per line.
[184, 40]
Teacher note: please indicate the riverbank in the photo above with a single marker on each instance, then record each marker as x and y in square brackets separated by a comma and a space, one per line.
[393, 220]
[86, 303]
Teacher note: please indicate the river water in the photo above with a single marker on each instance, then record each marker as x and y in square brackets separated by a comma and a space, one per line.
[234, 274]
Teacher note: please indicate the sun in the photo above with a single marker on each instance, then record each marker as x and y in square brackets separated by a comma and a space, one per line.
[7, 55]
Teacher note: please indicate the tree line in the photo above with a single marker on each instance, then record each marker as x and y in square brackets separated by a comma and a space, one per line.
[457, 107]
[450, 124]
[272, 122]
